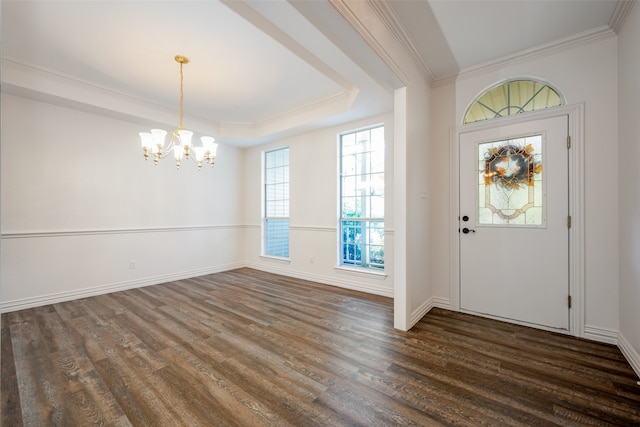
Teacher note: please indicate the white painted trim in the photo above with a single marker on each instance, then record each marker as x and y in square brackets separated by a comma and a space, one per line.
[279, 260]
[596, 333]
[362, 272]
[587, 37]
[620, 13]
[318, 109]
[390, 19]
[441, 302]
[401, 299]
[96, 232]
[41, 300]
[630, 353]
[346, 9]
[454, 201]
[326, 280]
[420, 312]
[392, 22]
[313, 228]
[576, 210]
[388, 231]
[45, 85]
[575, 115]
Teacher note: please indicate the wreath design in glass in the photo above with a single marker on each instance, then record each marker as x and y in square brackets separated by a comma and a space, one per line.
[510, 190]
[510, 166]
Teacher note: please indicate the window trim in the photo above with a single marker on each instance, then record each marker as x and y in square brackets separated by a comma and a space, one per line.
[509, 106]
[265, 218]
[375, 269]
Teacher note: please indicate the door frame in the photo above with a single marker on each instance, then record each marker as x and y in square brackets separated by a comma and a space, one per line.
[575, 116]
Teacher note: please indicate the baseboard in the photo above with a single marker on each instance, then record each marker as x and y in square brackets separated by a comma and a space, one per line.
[630, 353]
[41, 300]
[325, 280]
[595, 333]
[21, 304]
[441, 302]
[419, 313]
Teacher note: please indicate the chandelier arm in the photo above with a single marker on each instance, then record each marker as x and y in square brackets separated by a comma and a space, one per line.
[167, 148]
[179, 142]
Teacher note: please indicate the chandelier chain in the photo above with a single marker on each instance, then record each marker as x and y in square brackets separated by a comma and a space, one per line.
[181, 97]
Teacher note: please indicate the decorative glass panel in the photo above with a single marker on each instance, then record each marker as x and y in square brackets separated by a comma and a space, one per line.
[510, 182]
[512, 97]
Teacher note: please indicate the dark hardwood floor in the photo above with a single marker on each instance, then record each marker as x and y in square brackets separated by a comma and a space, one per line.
[247, 348]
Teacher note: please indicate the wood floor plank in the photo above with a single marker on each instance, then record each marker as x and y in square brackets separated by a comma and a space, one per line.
[140, 402]
[226, 398]
[281, 401]
[248, 348]
[531, 357]
[367, 406]
[10, 408]
[62, 388]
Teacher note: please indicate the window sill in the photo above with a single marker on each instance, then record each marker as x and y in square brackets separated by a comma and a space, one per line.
[280, 260]
[361, 272]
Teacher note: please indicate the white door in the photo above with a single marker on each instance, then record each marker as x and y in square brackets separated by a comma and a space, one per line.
[514, 236]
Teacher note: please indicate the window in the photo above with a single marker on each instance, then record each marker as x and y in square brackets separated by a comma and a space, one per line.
[510, 182]
[276, 203]
[512, 97]
[362, 198]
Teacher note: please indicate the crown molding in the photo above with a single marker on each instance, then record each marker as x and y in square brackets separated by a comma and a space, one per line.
[620, 13]
[395, 27]
[445, 80]
[344, 8]
[587, 37]
[44, 85]
[393, 24]
[304, 114]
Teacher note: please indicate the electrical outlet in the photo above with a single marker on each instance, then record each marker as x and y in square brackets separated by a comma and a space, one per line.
[132, 264]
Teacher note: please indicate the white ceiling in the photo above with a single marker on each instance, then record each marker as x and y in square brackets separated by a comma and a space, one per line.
[259, 69]
[454, 35]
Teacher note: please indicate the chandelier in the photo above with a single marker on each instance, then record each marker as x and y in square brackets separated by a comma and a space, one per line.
[154, 142]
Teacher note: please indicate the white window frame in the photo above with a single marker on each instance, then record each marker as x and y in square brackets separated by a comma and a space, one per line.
[275, 206]
[363, 243]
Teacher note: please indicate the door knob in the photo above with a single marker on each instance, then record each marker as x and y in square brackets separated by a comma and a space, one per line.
[465, 218]
[467, 231]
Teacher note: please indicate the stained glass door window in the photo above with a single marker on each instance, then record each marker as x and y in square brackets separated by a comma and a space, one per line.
[510, 182]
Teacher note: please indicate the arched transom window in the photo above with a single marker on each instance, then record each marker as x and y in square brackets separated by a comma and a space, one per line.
[513, 97]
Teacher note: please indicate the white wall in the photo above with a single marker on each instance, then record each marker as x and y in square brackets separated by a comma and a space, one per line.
[79, 203]
[419, 201]
[584, 74]
[443, 103]
[412, 199]
[629, 186]
[314, 189]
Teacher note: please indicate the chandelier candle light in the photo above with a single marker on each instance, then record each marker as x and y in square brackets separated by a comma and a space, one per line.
[180, 142]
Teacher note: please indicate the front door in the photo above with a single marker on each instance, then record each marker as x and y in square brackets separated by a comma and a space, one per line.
[514, 236]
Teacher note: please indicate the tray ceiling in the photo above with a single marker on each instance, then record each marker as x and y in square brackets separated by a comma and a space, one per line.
[259, 70]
